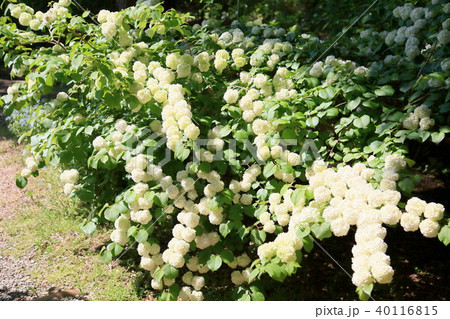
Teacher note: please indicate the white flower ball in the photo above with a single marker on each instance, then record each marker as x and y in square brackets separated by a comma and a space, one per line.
[198, 282]
[120, 237]
[429, 228]
[434, 211]
[122, 223]
[109, 29]
[410, 222]
[69, 176]
[383, 273]
[231, 96]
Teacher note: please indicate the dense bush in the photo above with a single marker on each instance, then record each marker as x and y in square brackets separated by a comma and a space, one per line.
[233, 147]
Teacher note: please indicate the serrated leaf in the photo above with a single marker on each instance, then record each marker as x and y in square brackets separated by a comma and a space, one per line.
[161, 199]
[385, 90]
[181, 152]
[302, 232]
[269, 169]
[214, 262]
[141, 236]
[444, 235]
[353, 104]
[129, 196]
[258, 296]
[258, 236]
[225, 228]
[170, 272]
[89, 228]
[297, 195]
[21, 181]
[106, 257]
[308, 243]
[254, 274]
[321, 231]
[227, 256]
[114, 211]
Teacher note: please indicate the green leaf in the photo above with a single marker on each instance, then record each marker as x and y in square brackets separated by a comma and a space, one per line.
[76, 62]
[258, 236]
[321, 231]
[181, 152]
[262, 194]
[312, 121]
[444, 235]
[245, 297]
[141, 236]
[269, 169]
[116, 249]
[214, 262]
[174, 291]
[276, 272]
[362, 122]
[333, 112]
[302, 232]
[308, 243]
[406, 185]
[170, 272]
[21, 181]
[225, 228]
[353, 104]
[437, 137]
[161, 199]
[361, 294]
[227, 256]
[149, 196]
[132, 231]
[258, 296]
[86, 195]
[297, 195]
[254, 274]
[385, 90]
[129, 196]
[114, 211]
[225, 131]
[89, 228]
[106, 257]
[88, 130]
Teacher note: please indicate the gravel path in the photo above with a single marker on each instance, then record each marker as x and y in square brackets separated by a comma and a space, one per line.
[15, 283]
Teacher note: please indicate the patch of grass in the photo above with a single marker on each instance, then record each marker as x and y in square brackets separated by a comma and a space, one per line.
[45, 227]
[65, 256]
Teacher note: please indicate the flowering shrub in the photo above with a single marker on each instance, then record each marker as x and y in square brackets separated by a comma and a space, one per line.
[212, 146]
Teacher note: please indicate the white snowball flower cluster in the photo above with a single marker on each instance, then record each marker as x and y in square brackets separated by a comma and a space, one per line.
[215, 143]
[423, 216]
[215, 184]
[111, 23]
[420, 118]
[31, 167]
[70, 179]
[361, 71]
[271, 50]
[317, 69]
[28, 18]
[220, 61]
[182, 64]
[284, 246]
